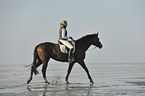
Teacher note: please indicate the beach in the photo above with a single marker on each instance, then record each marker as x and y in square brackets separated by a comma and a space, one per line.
[110, 79]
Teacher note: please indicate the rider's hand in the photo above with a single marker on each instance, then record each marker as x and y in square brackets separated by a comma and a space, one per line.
[72, 39]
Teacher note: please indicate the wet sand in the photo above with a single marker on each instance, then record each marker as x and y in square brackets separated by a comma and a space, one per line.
[110, 80]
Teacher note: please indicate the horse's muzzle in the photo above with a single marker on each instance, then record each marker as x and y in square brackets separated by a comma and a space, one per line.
[100, 46]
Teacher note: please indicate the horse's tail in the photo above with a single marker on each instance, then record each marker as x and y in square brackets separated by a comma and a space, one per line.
[34, 61]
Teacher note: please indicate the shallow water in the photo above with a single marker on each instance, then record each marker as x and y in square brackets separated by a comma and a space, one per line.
[110, 80]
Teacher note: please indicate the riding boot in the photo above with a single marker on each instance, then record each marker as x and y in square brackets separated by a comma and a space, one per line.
[70, 57]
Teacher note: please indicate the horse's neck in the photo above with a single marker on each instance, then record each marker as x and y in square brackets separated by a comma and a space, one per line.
[84, 44]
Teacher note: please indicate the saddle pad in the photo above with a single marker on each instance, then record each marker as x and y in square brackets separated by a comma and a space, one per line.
[63, 49]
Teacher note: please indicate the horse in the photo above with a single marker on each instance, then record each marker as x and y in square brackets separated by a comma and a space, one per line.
[44, 51]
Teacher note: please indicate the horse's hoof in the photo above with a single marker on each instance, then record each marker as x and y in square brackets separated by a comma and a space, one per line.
[91, 82]
[67, 82]
[47, 82]
[28, 81]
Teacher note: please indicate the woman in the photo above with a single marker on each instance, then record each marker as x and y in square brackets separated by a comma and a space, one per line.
[65, 40]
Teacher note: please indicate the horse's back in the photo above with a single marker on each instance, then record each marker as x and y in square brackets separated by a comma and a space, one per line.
[46, 46]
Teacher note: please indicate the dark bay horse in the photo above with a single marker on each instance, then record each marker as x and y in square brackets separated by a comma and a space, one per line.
[44, 51]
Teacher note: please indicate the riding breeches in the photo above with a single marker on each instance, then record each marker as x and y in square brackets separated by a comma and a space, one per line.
[67, 43]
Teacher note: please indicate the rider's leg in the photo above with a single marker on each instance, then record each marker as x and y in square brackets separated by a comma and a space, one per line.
[70, 58]
[71, 48]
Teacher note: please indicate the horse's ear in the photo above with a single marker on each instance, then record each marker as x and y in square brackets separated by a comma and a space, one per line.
[97, 33]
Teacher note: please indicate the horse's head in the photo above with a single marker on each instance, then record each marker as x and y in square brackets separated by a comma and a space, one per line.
[96, 42]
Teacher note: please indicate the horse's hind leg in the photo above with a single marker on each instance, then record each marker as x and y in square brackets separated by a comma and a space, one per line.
[38, 63]
[68, 71]
[31, 75]
[45, 63]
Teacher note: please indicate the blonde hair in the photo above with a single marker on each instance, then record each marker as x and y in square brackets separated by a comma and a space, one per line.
[64, 23]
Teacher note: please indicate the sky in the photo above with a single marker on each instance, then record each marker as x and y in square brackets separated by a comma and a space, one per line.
[26, 23]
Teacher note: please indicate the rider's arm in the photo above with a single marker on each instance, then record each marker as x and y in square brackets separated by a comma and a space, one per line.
[63, 34]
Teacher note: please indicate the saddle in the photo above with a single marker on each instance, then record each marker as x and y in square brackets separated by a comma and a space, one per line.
[64, 49]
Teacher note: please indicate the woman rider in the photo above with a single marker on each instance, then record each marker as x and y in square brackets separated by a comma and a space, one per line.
[65, 40]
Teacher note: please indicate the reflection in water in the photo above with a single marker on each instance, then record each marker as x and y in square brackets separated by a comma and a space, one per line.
[79, 88]
[28, 88]
[76, 89]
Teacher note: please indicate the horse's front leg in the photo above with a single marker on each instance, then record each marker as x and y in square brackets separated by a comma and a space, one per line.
[82, 63]
[68, 72]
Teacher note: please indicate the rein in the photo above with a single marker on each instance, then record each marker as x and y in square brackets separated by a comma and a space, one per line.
[92, 48]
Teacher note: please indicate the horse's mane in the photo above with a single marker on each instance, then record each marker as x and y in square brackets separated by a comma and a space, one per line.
[85, 38]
